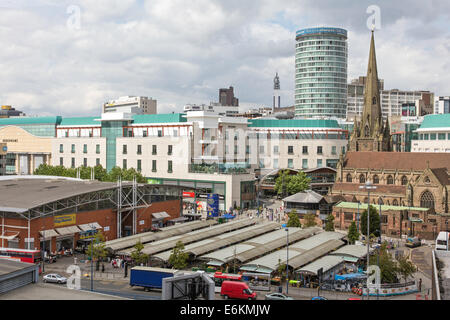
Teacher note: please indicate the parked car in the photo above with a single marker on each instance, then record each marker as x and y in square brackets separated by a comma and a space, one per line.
[237, 290]
[55, 278]
[413, 243]
[277, 296]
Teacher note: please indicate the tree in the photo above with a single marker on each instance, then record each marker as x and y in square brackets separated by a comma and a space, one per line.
[281, 270]
[405, 267]
[281, 182]
[293, 220]
[178, 258]
[387, 264]
[97, 250]
[137, 255]
[298, 183]
[374, 221]
[310, 220]
[353, 233]
[329, 224]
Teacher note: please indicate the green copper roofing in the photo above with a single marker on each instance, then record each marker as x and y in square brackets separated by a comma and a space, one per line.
[436, 121]
[159, 118]
[30, 120]
[80, 121]
[363, 206]
[296, 123]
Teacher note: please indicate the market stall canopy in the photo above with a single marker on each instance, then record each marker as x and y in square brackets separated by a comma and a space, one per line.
[49, 233]
[10, 237]
[90, 226]
[160, 215]
[67, 230]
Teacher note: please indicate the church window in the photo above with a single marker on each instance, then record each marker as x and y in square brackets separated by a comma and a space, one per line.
[349, 178]
[376, 180]
[404, 181]
[390, 180]
[362, 179]
[427, 200]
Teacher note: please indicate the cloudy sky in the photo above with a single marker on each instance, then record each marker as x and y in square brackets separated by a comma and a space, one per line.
[66, 57]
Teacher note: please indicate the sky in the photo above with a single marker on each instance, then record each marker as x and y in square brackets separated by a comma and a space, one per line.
[67, 57]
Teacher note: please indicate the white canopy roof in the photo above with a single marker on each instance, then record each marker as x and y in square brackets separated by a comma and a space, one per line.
[89, 226]
[49, 233]
[160, 215]
[11, 237]
[67, 230]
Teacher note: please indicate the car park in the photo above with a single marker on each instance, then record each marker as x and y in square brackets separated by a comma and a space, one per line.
[277, 296]
[54, 278]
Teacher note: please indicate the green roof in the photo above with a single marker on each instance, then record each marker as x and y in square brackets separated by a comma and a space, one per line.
[159, 118]
[80, 121]
[30, 120]
[297, 123]
[363, 206]
[436, 121]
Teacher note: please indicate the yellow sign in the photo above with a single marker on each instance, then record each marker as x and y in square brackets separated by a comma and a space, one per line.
[65, 220]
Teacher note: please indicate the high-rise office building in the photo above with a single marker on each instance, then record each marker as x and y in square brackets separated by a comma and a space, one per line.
[276, 93]
[227, 98]
[442, 105]
[131, 104]
[321, 73]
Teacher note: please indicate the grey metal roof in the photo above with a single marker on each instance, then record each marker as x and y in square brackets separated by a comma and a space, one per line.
[308, 196]
[312, 254]
[327, 263]
[45, 190]
[223, 240]
[169, 243]
[167, 232]
[8, 266]
[357, 251]
[316, 242]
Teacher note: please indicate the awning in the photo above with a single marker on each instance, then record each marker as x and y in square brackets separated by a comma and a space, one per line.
[415, 219]
[350, 259]
[89, 226]
[160, 215]
[49, 233]
[67, 230]
[11, 237]
[215, 263]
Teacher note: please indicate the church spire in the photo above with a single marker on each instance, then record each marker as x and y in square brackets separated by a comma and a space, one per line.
[372, 117]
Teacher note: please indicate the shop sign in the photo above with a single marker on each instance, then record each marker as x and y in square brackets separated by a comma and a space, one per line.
[142, 222]
[188, 194]
[65, 220]
[88, 234]
[154, 181]
[106, 228]
[213, 205]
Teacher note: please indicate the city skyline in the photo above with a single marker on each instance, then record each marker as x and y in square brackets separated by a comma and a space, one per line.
[69, 58]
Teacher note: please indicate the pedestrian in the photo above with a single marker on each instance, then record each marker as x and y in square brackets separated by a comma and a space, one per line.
[420, 285]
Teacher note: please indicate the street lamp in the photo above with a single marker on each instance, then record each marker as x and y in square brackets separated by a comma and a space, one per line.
[92, 253]
[43, 251]
[287, 260]
[368, 186]
[357, 218]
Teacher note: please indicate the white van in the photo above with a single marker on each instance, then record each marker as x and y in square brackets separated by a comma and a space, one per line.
[442, 240]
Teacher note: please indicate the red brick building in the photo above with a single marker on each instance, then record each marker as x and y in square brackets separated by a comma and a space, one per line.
[64, 212]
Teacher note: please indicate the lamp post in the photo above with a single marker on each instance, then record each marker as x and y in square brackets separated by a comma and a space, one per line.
[92, 254]
[43, 251]
[287, 260]
[357, 219]
[379, 242]
[368, 186]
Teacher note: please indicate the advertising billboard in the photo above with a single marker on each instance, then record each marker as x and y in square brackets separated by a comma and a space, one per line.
[213, 205]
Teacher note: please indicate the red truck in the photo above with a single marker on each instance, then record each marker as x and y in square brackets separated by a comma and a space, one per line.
[237, 290]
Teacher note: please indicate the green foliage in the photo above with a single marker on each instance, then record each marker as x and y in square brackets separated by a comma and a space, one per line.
[100, 173]
[96, 248]
[353, 233]
[178, 258]
[137, 255]
[310, 220]
[329, 224]
[405, 267]
[374, 223]
[387, 264]
[293, 220]
[287, 184]
[281, 270]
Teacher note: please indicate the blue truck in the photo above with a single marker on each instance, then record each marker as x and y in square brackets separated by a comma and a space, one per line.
[148, 277]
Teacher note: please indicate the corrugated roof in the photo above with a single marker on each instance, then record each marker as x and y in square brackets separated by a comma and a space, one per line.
[226, 239]
[169, 243]
[381, 188]
[167, 232]
[30, 120]
[314, 253]
[357, 251]
[159, 118]
[308, 196]
[80, 121]
[294, 123]
[327, 263]
[363, 206]
[436, 121]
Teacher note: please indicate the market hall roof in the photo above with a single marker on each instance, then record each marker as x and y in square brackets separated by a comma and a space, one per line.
[308, 196]
[396, 160]
[20, 194]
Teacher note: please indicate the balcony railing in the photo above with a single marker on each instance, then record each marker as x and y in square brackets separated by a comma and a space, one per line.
[219, 168]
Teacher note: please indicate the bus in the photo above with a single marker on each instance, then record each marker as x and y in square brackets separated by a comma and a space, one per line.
[442, 240]
[220, 277]
[23, 255]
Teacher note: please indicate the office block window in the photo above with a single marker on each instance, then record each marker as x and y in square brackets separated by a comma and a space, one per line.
[84, 148]
[319, 163]
[169, 150]
[61, 161]
[304, 163]
[275, 163]
[153, 165]
[290, 149]
[124, 149]
[169, 166]
[97, 148]
[73, 148]
[275, 150]
[124, 164]
[61, 148]
[73, 163]
[139, 149]
[85, 162]
[97, 161]
[319, 149]
[139, 165]
[154, 150]
[291, 163]
[305, 149]
[333, 150]
[160, 133]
